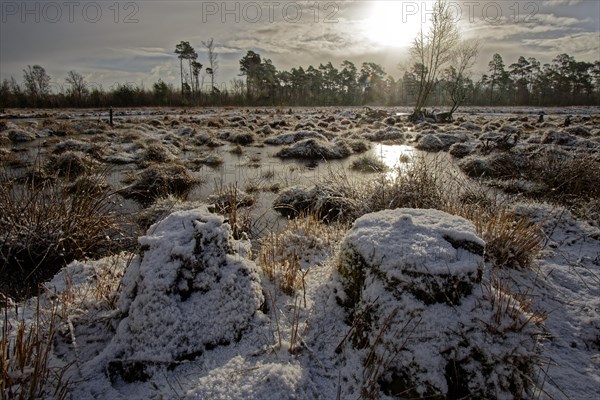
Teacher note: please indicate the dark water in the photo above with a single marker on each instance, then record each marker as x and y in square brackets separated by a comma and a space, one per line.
[256, 170]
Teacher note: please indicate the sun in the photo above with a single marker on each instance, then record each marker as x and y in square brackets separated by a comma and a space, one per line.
[395, 23]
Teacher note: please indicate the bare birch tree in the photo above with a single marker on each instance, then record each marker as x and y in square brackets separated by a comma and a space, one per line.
[433, 51]
[78, 87]
[458, 74]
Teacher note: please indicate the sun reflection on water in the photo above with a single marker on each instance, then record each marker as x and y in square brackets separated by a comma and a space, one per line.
[397, 157]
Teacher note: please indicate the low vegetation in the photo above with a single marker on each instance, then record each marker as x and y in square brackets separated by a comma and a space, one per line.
[159, 180]
[570, 178]
[285, 257]
[235, 205]
[65, 210]
[512, 240]
[368, 163]
[46, 223]
[25, 348]
[567, 175]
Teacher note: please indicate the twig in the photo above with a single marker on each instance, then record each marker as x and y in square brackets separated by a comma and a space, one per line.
[74, 341]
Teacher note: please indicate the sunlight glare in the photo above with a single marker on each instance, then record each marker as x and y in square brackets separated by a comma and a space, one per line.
[397, 157]
[395, 23]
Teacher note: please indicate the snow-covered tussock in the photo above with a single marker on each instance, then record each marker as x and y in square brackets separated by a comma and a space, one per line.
[289, 138]
[19, 135]
[191, 289]
[389, 133]
[433, 255]
[422, 322]
[317, 149]
[440, 141]
[470, 126]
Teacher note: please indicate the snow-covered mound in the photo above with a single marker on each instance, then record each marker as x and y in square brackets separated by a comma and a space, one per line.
[389, 133]
[19, 135]
[322, 200]
[160, 180]
[440, 141]
[421, 322]
[293, 137]
[191, 289]
[316, 149]
[461, 150]
[435, 256]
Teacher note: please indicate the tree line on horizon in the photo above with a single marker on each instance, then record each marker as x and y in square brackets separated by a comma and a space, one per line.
[565, 81]
[440, 75]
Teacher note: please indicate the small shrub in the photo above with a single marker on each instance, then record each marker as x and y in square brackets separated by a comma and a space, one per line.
[368, 163]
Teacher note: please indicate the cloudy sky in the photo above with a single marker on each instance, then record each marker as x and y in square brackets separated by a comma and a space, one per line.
[112, 42]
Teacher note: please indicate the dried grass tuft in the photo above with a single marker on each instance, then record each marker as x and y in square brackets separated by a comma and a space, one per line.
[159, 180]
[46, 224]
[368, 163]
[281, 255]
[25, 348]
[512, 241]
[513, 311]
[567, 174]
[228, 201]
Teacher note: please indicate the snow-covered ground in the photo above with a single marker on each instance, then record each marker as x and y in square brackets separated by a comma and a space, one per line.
[399, 305]
[238, 343]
